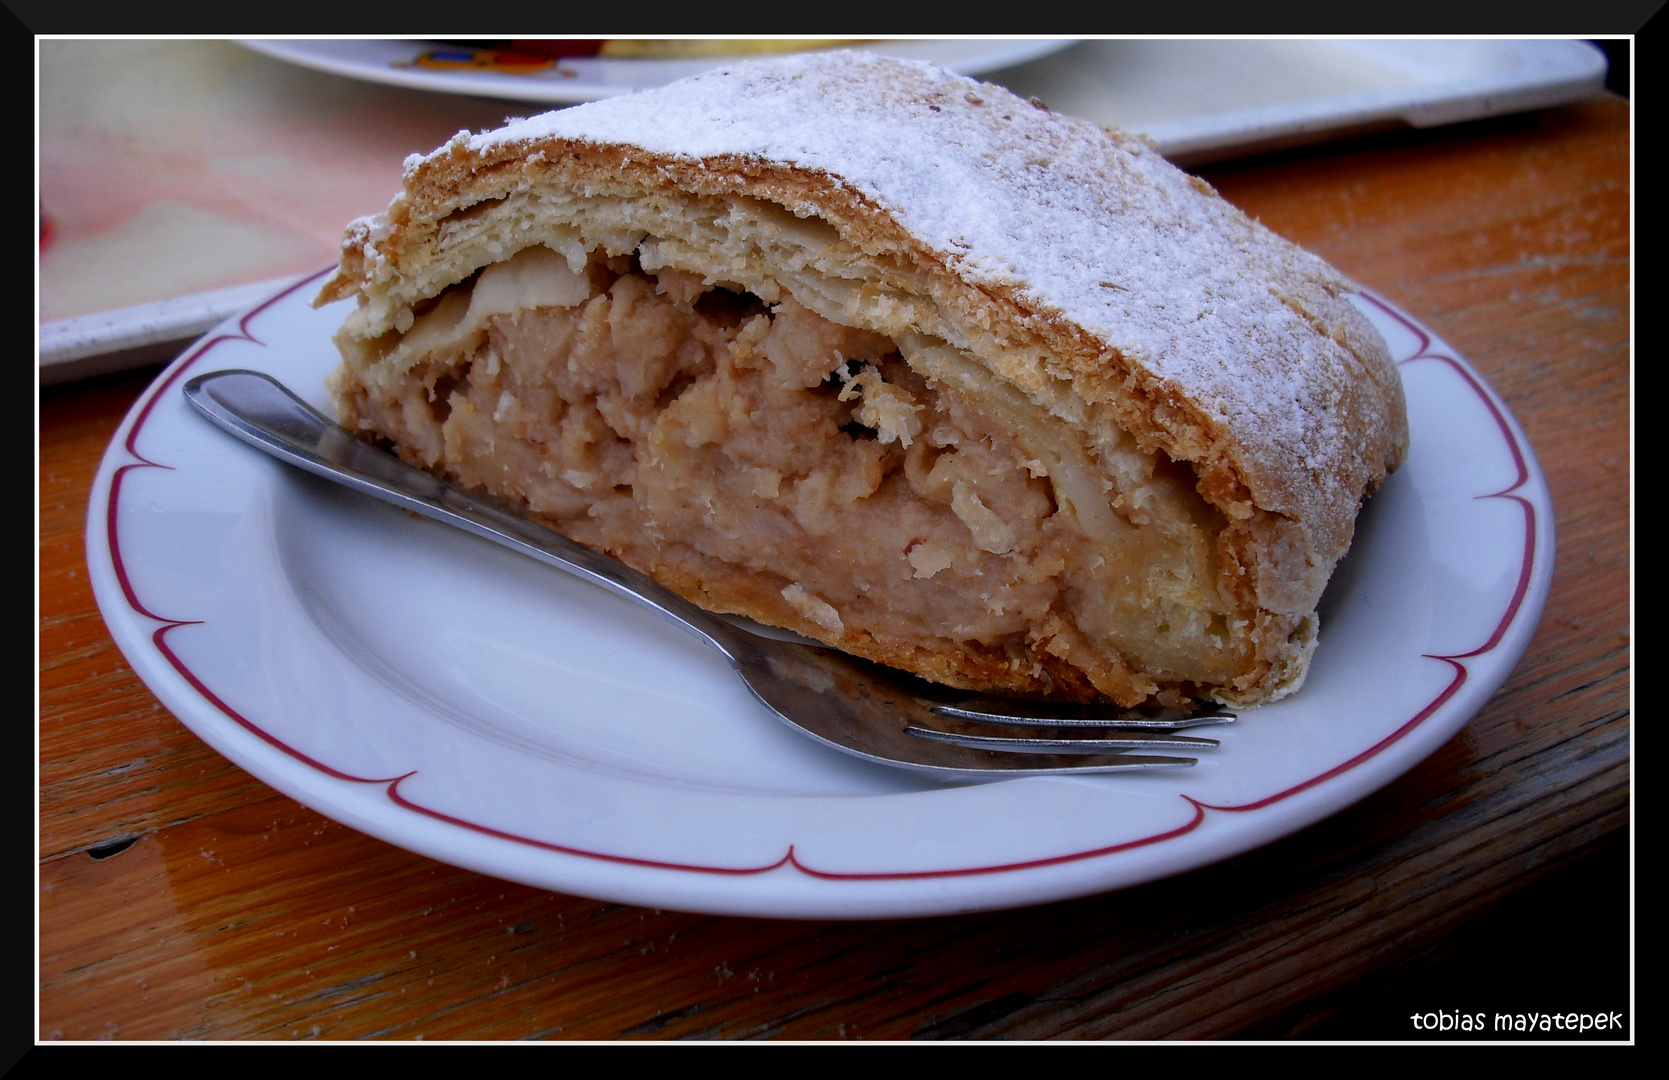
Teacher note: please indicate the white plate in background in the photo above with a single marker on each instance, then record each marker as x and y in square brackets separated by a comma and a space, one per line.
[458, 700]
[588, 78]
[1205, 100]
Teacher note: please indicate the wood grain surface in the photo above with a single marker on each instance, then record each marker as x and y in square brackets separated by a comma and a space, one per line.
[180, 898]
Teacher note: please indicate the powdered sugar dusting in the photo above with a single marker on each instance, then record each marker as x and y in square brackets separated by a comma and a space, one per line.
[1094, 226]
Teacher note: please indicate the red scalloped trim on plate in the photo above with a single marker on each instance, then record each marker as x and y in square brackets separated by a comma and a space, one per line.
[1521, 590]
[158, 639]
[1003, 868]
[789, 858]
[563, 849]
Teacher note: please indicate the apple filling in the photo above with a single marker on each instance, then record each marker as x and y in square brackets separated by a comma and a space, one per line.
[885, 496]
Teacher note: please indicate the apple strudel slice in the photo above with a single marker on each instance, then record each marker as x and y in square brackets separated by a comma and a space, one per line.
[893, 359]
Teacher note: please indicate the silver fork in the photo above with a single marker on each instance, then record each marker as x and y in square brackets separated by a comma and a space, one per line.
[862, 708]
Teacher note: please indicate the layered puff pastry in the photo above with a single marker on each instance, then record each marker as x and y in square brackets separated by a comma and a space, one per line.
[895, 360]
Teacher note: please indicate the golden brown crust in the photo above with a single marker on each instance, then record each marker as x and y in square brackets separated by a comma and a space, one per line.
[1285, 404]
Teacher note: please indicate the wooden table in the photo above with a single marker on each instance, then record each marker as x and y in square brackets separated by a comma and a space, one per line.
[180, 898]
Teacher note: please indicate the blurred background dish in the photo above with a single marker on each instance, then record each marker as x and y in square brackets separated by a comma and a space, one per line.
[1205, 100]
[525, 71]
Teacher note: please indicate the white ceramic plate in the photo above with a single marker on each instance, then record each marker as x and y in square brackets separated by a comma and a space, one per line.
[1207, 99]
[463, 702]
[589, 78]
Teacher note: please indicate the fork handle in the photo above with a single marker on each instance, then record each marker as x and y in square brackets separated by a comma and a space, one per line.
[265, 414]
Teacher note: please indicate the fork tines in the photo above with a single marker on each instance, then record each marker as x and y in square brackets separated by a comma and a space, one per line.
[1032, 744]
[1055, 728]
[1012, 712]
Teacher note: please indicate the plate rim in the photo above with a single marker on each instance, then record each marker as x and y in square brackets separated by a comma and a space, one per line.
[1308, 801]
